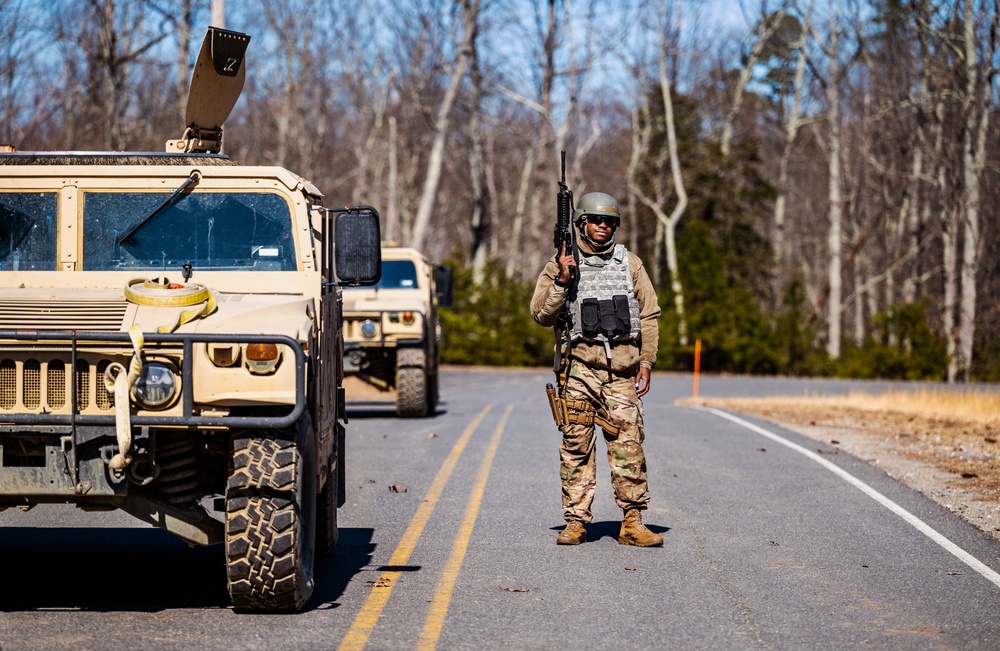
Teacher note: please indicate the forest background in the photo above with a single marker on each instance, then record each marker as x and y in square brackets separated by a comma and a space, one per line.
[813, 185]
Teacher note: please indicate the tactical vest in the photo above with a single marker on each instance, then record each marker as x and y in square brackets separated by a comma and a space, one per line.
[604, 308]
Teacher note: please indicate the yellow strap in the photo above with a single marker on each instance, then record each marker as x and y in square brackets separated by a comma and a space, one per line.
[167, 294]
[119, 382]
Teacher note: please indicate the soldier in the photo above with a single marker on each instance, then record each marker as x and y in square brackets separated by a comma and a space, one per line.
[611, 316]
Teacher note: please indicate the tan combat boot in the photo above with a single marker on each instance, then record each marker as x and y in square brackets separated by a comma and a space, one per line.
[634, 532]
[573, 534]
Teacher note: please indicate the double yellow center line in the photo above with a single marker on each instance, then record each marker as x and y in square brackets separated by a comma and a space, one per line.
[361, 629]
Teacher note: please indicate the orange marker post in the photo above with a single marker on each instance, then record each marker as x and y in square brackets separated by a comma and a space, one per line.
[697, 365]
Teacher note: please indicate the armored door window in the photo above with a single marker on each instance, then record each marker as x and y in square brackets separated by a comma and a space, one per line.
[28, 231]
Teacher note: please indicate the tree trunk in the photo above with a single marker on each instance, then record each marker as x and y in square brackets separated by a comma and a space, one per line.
[682, 199]
[219, 13]
[765, 29]
[470, 18]
[183, 65]
[392, 208]
[979, 92]
[480, 221]
[517, 228]
[836, 208]
[791, 130]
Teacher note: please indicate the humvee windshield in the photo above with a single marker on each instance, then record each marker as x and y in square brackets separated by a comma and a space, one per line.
[211, 230]
[28, 231]
[396, 274]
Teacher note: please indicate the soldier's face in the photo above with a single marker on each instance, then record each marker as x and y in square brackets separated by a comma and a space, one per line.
[600, 229]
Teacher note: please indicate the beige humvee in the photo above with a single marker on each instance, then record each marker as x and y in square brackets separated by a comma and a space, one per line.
[392, 332]
[170, 341]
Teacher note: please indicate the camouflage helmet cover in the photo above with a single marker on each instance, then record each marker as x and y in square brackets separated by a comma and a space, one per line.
[596, 203]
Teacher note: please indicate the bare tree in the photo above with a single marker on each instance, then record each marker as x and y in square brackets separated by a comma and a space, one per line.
[767, 25]
[976, 108]
[480, 219]
[831, 87]
[667, 224]
[470, 18]
[792, 123]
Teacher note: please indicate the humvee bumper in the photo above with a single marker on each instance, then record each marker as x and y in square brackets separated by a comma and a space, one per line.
[58, 422]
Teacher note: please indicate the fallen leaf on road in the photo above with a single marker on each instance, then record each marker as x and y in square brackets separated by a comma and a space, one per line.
[953, 573]
[515, 589]
[761, 449]
[430, 435]
[382, 582]
[630, 569]
[398, 489]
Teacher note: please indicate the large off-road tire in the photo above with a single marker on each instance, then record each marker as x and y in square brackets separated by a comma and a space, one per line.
[411, 383]
[271, 519]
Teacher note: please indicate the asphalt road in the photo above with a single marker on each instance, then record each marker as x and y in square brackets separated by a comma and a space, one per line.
[772, 541]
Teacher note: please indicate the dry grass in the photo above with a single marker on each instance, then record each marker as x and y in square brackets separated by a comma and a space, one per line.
[973, 407]
[955, 431]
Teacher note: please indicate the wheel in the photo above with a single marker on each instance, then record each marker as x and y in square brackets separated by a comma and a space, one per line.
[271, 519]
[411, 383]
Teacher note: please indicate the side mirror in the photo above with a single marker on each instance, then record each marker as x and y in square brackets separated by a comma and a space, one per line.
[443, 283]
[356, 239]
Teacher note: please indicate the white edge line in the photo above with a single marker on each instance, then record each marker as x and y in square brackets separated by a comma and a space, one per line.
[956, 551]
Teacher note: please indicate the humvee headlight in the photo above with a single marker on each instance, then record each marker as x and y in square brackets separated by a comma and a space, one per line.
[368, 329]
[156, 385]
[408, 318]
[262, 358]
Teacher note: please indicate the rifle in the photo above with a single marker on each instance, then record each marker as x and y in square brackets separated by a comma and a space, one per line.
[562, 236]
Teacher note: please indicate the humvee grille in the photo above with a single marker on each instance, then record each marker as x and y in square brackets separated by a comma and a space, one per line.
[64, 315]
[22, 387]
[8, 384]
[32, 385]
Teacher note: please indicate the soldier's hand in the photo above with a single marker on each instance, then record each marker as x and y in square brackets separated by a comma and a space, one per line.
[642, 381]
[567, 266]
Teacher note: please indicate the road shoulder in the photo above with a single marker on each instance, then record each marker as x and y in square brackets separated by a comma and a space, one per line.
[913, 461]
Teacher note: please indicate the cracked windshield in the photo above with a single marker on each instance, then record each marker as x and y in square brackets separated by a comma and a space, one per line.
[210, 230]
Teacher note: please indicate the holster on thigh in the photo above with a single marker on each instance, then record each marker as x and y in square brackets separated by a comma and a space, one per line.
[584, 413]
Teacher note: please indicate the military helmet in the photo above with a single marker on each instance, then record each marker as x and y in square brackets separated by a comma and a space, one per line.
[596, 203]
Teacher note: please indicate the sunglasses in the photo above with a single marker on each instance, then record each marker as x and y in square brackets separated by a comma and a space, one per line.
[613, 222]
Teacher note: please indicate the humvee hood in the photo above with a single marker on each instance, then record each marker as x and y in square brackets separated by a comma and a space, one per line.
[108, 310]
[238, 314]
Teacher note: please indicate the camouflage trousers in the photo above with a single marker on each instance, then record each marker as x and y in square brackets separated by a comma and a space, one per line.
[578, 466]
